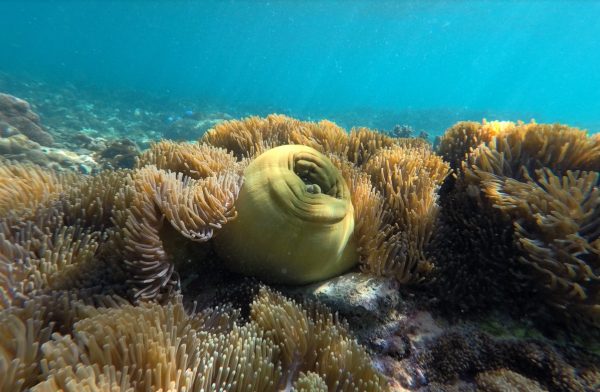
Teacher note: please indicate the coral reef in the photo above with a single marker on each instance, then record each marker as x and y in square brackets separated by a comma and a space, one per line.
[431, 355]
[128, 279]
[369, 304]
[89, 132]
[402, 131]
[20, 148]
[16, 116]
[23, 138]
[190, 126]
[72, 111]
[463, 354]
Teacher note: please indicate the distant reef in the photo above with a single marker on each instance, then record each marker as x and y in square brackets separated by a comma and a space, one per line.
[277, 254]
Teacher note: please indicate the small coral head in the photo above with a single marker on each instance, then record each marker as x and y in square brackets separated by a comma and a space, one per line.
[295, 219]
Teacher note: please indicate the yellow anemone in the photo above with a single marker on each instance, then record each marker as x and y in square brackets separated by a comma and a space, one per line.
[295, 219]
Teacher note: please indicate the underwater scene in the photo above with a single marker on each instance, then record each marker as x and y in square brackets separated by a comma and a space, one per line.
[299, 196]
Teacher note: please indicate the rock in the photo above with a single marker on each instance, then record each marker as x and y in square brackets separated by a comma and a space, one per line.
[359, 295]
[420, 326]
[38, 157]
[16, 144]
[22, 149]
[190, 128]
[7, 130]
[97, 145]
[119, 154]
[368, 303]
[16, 114]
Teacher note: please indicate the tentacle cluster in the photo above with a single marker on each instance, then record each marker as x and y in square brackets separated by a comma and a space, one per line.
[151, 347]
[540, 184]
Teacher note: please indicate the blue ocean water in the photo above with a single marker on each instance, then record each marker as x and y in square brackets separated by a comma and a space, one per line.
[426, 63]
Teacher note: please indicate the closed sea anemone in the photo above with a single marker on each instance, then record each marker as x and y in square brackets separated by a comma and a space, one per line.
[295, 219]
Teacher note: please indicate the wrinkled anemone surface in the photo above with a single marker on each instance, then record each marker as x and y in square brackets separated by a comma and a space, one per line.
[295, 219]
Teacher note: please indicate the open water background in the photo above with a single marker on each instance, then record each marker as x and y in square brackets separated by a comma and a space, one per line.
[379, 63]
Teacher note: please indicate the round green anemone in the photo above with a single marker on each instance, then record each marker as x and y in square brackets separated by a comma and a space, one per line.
[295, 219]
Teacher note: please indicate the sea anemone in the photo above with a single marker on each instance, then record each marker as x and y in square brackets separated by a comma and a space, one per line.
[295, 219]
[408, 179]
[463, 137]
[191, 160]
[252, 136]
[389, 241]
[57, 344]
[540, 182]
[312, 339]
[25, 186]
[157, 207]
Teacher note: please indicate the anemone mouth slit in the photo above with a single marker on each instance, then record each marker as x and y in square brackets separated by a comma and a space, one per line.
[318, 176]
